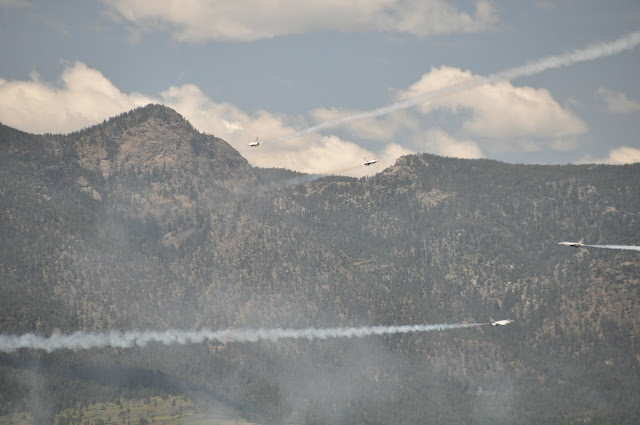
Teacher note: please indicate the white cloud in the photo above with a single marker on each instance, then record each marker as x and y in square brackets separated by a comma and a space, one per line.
[383, 128]
[617, 102]
[84, 97]
[618, 156]
[392, 152]
[317, 154]
[437, 141]
[311, 153]
[500, 116]
[511, 118]
[198, 20]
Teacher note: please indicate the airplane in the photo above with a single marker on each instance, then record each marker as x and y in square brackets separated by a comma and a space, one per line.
[369, 162]
[572, 244]
[502, 322]
[254, 144]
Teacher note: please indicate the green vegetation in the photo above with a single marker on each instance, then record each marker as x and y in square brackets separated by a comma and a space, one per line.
[144, 223]
[170, 410]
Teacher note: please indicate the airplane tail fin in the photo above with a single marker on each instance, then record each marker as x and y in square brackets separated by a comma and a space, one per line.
[492, 319]
[581, 241]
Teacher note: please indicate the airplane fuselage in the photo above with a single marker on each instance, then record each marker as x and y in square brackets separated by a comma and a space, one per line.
[571, 244]
[503, 322]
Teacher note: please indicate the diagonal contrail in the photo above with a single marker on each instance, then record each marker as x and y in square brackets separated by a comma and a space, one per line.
[592, 52]
[625, 247]
[86, 340]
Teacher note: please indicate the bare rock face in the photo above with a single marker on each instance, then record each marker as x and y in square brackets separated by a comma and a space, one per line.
[156, 162]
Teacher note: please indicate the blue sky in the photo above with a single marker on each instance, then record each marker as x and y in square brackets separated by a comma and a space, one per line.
[270, 69]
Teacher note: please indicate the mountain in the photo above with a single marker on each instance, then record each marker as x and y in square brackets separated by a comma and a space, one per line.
[142, 222]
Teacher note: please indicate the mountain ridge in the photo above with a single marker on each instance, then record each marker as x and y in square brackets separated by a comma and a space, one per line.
[428, 240]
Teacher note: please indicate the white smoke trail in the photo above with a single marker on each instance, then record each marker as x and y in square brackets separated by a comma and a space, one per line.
[627, 247]
[589, 53]
[86, 340]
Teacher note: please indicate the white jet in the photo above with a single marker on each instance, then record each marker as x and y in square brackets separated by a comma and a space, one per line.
[254, 144]
[572, 244]
[370, 161]
[502, 322]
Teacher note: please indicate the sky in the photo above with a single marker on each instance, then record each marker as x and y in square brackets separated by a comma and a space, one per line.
[273, 69]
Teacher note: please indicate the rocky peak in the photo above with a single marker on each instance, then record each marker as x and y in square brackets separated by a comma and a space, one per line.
[153, 151]
[148, 137]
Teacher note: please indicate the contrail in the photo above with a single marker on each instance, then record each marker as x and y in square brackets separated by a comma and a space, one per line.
[86, 340]
[592, 52]
[627, 247]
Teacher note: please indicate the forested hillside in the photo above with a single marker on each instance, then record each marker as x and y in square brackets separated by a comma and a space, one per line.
[142, 222]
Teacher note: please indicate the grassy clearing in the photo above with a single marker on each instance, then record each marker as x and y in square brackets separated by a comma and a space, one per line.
[170, 410]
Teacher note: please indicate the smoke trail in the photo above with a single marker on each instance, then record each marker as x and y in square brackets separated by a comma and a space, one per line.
[589, 53]
[627, 247]
[279, 184]
[313, 177]
[343, 170]
[302, 180]
[86, 340]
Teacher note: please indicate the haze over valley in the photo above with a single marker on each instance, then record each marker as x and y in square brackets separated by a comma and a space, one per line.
[319, 213]
[144, 223]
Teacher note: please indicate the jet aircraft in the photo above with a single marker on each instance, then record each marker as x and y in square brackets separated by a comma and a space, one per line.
[502, 322]
[572, 244]
[369, 162]
[254, 144]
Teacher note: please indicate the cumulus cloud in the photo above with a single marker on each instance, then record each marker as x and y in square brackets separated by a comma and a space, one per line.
[83, 97]
[501, 116]
[484, 119]
[322, 155]
[617, 102]
[618, 156]
[382, 128]
[198, 20]
[312, 153]
[437, 141]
